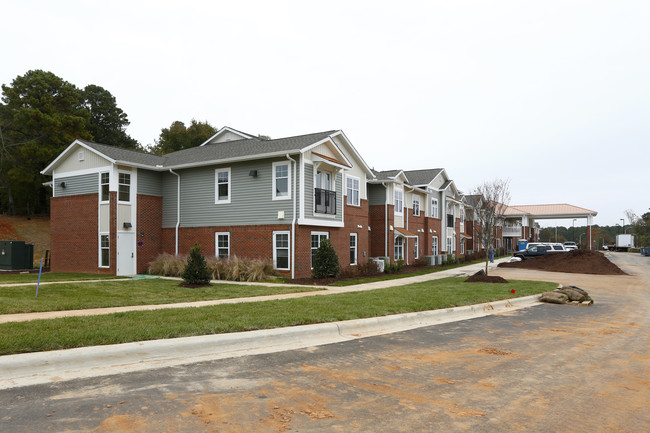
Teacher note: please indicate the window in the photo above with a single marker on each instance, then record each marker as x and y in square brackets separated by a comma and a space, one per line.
[104, 186]
[352, 190]
[434, 246]
[124, 187]
[399, 201]
[462, 215]
[222, 244]
[462, 246]
[281, 184]
[450, 245]
[416, 205]
[416, 248]
[324, 197]
[353, 248]
[316, 238]
[281, 250]
[104, 251]
[399, 248]
[434, 208]
[222, 185]
[324, 180]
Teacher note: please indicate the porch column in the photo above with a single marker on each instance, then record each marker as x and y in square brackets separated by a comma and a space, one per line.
[590, 229]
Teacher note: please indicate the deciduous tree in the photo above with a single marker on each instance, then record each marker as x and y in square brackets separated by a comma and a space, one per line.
[178, 136]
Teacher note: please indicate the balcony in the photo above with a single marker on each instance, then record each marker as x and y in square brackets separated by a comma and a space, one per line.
[324, 201]
[512, 230]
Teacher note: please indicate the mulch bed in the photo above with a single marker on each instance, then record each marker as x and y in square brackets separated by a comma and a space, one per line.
[193, 286]
[486, 279]
[574, 262]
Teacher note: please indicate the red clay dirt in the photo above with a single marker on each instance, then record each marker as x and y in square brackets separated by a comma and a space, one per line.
[486, 279]
[574, 262]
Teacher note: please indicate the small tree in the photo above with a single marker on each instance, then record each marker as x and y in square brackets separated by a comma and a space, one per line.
[326, 262]
[196, 271]
[489, 202]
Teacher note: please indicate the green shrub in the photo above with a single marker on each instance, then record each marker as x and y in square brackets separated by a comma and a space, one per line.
[393, 268]
[196, 271]
[326, 262]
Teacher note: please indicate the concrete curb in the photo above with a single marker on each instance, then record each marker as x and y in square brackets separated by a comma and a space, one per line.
[61, 365]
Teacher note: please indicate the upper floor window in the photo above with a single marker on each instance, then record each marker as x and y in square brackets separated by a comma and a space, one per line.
[352, 190]
[222, 185]
[104, 179]
[124, 187]
[462, 216]
[324, 195]
[434, 208]
[281, 184]
[416, 205]
[399, 201]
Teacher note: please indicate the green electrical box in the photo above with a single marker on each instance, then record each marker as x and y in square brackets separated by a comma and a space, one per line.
[16, 255]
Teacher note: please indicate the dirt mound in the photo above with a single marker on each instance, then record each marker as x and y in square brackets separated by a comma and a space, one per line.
[574, 262]
[486, 279]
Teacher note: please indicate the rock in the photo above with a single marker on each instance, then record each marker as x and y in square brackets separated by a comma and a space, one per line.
[481, 272]
[572, 294]
[554, 297]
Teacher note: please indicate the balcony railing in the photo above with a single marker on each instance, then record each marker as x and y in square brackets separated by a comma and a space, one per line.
[509, 230]
[324, 201]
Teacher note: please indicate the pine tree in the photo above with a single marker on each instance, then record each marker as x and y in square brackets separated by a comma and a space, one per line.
[326, 262]
[196, 271]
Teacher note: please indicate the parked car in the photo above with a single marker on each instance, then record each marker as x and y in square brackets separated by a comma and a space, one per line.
[570, 246]
[556, 247]
[530, 252]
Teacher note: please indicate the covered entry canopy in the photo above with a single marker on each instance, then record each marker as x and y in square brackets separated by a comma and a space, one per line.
[530, 213]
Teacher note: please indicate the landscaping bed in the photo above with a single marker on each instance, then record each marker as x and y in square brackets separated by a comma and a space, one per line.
[575, 262]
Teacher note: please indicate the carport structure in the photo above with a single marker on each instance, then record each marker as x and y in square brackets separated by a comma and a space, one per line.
[519, 220]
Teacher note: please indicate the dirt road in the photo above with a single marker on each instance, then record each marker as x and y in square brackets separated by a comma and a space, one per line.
[549, 368]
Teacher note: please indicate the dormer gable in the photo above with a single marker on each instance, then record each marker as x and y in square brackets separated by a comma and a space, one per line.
[227, 134]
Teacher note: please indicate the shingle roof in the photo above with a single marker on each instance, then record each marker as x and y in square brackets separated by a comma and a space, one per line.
[548, 209]
[386, 174]
[422, 177]
[210, 153]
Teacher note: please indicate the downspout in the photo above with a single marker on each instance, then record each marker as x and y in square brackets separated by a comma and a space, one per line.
[385, 221]
[178, 206]
[293, 220]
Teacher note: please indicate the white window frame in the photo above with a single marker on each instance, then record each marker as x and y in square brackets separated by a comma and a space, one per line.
[352, 199]
[311, 247]
[275, 250]
[416, 199]
[416, 242]
[462, 215]
[399, 246]
[108, 186]
[318, 179]
[99, 262]
[450, 244]
[435, 212]
[462, 246]
[399, 210]
[130, 184]
[216, 185]
[354, 248]
[216, 244]
[434, 244]
[280, 197]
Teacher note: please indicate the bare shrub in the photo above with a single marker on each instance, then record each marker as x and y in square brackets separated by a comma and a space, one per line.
[168, 265]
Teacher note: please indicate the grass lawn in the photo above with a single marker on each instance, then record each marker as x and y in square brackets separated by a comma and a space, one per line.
[53, 334]
[52, 276]
[77, 296]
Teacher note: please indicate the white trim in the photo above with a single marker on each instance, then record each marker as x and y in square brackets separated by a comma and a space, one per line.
[216, 185]
[417, 247]
[345, 189]
[302, 186]
[67, 151]
[395, 247]
[311, 248]
[288, 247]
[99, 250]
[354, 151]
[273, 189]
[323, 141]
[437, 246]
[226, 129]
[356, 248]
[216, 243]
[100, 186]
[416, 198]
[317, 222]
[131, 181]
[401, 210]
[57, 175]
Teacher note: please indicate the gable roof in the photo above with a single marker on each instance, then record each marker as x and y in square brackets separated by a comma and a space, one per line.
[538, 210]
[422, 177]
[389, 175]
[225, 129]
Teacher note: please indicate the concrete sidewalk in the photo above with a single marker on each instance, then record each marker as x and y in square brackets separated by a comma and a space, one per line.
[328, 290]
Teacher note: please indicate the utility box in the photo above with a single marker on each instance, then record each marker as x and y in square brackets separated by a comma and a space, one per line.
[16, 255]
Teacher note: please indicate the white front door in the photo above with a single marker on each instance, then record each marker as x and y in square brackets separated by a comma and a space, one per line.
[125, 253]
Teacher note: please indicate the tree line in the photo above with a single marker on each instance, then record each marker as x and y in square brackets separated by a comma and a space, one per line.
[41, 114]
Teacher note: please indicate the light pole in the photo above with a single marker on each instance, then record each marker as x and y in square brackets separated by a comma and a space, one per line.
[622, 225]
[573, 235]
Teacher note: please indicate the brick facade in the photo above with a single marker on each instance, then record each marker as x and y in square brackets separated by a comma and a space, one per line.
[148, 230]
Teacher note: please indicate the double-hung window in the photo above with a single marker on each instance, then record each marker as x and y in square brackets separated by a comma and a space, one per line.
[353, 248]
[281, 184]
[434, 246]
[104, 184]
[222, 180]
[124, 187]
[399, 248]
[352, 190]
[416, 205]
[450, 245]
[324, 193]
[398, 201]
[104, 251]
[222, 245]
[316, 239]
[434, 208]
[416, 248]
[281, 250]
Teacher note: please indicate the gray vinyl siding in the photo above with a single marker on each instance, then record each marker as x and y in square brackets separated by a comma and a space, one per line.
[149, 182]
[250, 203]
[376, 194]
[309, 196]
[77, 185]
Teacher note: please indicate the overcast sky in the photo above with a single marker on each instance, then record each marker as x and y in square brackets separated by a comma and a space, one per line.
[553, 95]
